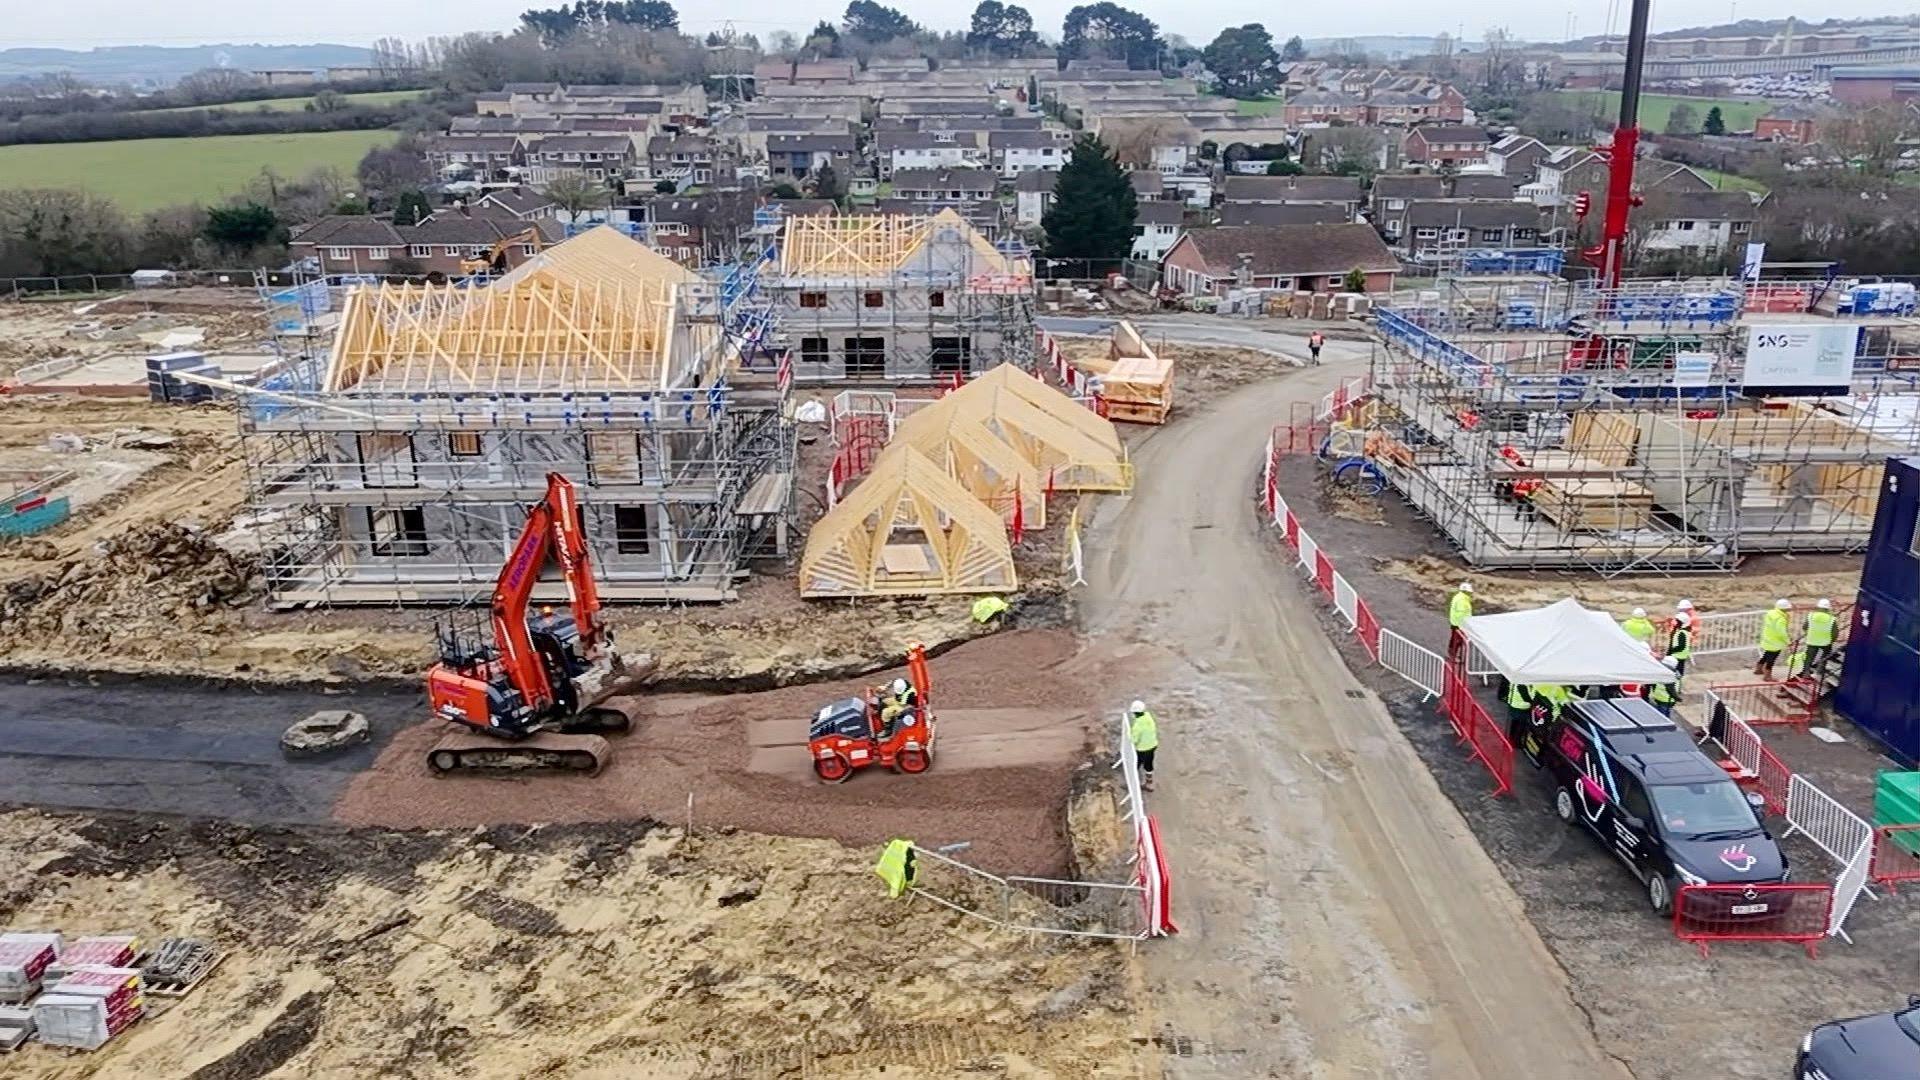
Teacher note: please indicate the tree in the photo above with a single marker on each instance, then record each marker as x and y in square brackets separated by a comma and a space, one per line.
[554, 25]
[327, 101]
[998, 27]
[823, 41]
[1355, 281]
[1283, 167]
[1870, 140]
[1716, 124]
[1133, 140]
[1243, 62]
[1093, 206]
[47, 231]
[212, 85]
[784, 191]
[1293, 50]
[389, 170]
[665, 187]
[827, 184]
[877, 22]
[1682, 120]
[169, 236]
[242, 227]
[1346, 151]
[1108, 31]
[577, 193]
[411, 208]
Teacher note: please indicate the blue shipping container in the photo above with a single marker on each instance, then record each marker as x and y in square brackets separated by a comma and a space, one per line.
[1880, 685]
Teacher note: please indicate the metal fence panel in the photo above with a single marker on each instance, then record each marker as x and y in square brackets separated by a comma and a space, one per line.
[1415, 663]
[1832, 827]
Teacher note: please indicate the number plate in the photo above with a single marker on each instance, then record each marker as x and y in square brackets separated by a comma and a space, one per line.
[1748, 909]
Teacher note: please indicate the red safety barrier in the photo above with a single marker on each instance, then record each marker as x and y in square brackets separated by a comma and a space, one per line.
[1476, 727]
[1704, 914]
[1368, 627]
[1293, 531]
[1767, 702]
[1896, 855]
[1323, 572]
[1774, 781]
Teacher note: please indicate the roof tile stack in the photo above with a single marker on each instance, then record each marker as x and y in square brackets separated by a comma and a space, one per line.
[89, 1006]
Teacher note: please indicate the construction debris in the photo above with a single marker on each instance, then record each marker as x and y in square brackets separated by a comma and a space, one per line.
[325, 732]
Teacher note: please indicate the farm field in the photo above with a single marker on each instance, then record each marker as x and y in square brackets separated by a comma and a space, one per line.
[296, 104]
[1729, 182]
[146, 174]
[1261, 107]
[1739, 113]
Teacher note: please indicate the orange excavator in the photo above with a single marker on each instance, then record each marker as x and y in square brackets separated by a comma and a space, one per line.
[535, 697]
[891, 726]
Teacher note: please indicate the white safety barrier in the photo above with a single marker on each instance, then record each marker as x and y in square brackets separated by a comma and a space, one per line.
[1346, 601]
[1309, 552]
[1726, 632]
[1848, 888]
[1418, 665]
[1818, 816]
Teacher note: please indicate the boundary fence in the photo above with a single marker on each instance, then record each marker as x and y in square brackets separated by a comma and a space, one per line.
[1840, 834]
[1704, 914]
[1133, 910]
[1418, 665]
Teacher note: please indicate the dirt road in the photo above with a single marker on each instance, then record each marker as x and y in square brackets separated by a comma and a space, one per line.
[1338, 918]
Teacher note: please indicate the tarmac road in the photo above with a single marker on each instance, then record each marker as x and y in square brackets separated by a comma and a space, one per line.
[1338, 917]
[1287, 337]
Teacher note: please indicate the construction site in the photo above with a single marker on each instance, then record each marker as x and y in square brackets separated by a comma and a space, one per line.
[1631, 430]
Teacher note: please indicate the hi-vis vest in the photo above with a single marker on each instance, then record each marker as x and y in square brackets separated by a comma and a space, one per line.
[1680, 645]
[1661, 694]
[1517, 697]
[1459, 609]
[1773, 630]
[1640, 630]
[1145, 733]
[1820, 625]
[897, 867]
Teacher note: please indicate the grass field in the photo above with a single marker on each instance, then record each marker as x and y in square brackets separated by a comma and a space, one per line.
[1729, 182]
[1739, 113]
[145, 174]
[1262, 107]
[297, 104]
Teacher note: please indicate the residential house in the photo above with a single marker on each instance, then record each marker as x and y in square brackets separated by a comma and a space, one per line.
[1032, 197]
[487, 157]
[1341, 191]
[1445, 144]
[1455, 225]
[685, 159]
[1571, 170]
[816, 73]
[1309, 258]
[1706, 223]
[361, 244]
[676, 226]
[493, 104]
[1147, 184]
[1283, 214]
[1390, 196]
[520, 95]
[522, 203]
[597, 157]
[1014, 152]
[920, 150]
[1156, 228]
[943, 187]
[1517, 156]
[1324, 107]
[986, 216]
[1482, 186]
[1788, 122]
[796, 157]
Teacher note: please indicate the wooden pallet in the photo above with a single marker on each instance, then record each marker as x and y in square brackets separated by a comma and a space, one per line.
[16, 1027]
[183, 973]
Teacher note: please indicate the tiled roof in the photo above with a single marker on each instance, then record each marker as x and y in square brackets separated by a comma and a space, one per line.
[1292, 250]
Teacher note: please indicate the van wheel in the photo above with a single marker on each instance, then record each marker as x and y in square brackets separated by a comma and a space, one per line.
[1563, 805]
[1659, 894]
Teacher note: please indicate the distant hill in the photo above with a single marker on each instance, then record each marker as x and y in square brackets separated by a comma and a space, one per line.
[159, 65]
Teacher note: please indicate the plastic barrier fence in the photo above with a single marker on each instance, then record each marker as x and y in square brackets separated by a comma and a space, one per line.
[1767, 702]
[1704, 914]
[1477, 728]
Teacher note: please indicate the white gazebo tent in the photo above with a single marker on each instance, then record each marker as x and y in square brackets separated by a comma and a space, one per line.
[1563, 644]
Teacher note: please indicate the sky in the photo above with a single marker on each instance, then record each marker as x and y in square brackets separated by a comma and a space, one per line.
[81, 24]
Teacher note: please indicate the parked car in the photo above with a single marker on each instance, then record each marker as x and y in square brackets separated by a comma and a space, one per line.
[1633, 779]
[1884, 1046]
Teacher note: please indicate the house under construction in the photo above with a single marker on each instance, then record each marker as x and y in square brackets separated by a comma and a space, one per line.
[1633, 431]
[899, 298]
[399, 467]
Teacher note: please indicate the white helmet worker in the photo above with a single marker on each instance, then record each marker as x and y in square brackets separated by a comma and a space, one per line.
[899, 688]
[1824, 604]
[1672, 664]
[1684, 605]
[1639, 613]
[1137, 708]
[1783, 604]
[1466, 586]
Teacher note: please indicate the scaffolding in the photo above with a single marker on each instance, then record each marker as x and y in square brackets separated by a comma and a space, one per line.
[899, 298]
[395, 467]
[1627, 442]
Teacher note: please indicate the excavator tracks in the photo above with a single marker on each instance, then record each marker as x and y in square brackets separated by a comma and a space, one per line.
[473, 753]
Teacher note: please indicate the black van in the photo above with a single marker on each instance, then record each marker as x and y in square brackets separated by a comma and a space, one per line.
[1636, 781]
[1884, 1046]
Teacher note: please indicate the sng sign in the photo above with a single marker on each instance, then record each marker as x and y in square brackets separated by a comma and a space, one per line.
[1808, 359]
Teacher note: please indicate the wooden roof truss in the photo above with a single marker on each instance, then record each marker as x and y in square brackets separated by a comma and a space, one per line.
[985, 465]
[908, 529]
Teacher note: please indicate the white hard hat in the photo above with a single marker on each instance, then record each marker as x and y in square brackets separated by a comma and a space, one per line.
[1466, 586]
[1824, 604]
[1137, 707]
[1639, 613]
[1783, 604]
[899, 686]
[1684, 605]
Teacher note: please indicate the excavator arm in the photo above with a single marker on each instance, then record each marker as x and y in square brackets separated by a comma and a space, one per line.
[552, 528]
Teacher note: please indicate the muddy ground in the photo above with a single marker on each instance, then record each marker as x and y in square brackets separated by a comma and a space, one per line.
[39, 330]
[611, 949]
[1741, 1010]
